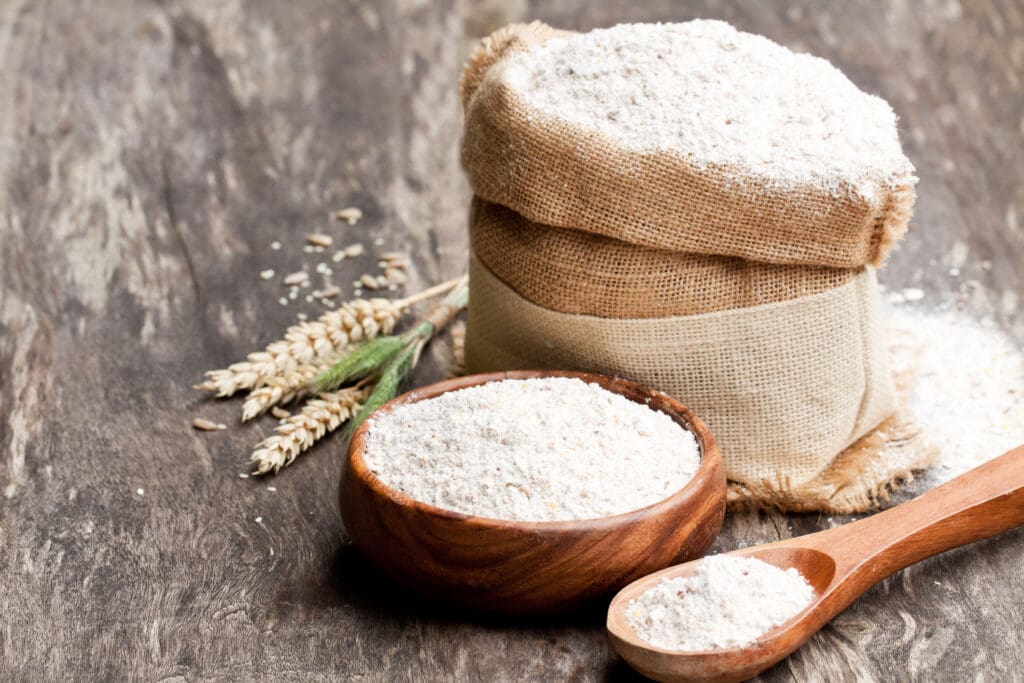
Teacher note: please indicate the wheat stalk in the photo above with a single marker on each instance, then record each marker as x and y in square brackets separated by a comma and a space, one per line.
[380, 367]
[308, 342]
[318, 416]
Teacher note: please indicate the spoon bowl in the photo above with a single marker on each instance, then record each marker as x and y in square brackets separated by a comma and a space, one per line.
[529, 567]
[840, 564]
[817, 567]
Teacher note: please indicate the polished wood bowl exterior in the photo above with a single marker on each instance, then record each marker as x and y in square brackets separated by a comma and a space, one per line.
[530, 567]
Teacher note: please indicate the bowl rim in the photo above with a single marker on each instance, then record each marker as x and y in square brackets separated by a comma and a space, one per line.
[710, 457]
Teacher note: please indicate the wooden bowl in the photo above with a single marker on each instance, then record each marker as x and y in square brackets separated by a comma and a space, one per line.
[529, 567]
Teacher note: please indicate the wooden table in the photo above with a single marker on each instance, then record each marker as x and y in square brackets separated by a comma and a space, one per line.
[150, 152]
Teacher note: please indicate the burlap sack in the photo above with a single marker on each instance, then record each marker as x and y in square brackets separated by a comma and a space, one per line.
[864, 476]
[561, 174]
[784, 386]
[579, 272]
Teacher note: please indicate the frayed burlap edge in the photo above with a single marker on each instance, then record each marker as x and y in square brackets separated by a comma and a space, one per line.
[893, 223]
[506, 41]
[861, 478]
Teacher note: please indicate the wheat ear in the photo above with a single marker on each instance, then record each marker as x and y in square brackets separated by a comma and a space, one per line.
[307, 343]
[285, 388]
[318, 416]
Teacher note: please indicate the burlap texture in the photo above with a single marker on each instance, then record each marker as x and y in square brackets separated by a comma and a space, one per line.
[579, 272]
[561, 174]
[784, 386]
[863, 476]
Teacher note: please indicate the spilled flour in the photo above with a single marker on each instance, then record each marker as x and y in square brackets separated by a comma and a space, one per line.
[969, 393]
[722, 97]
[727, 602]
[547, 449]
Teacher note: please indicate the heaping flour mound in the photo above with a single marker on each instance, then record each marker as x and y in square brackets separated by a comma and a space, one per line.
[548, 449]
[725, 98]
[727, 602]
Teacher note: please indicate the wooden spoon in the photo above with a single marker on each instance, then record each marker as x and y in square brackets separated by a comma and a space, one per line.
[840, 564]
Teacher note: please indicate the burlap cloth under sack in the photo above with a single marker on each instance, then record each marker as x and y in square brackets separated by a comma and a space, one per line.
[561, 174]
[784, 386]
[579, 272]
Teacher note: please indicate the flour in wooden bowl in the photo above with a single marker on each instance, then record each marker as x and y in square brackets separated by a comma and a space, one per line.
[728, 602]
[725, 99]
[543, 450]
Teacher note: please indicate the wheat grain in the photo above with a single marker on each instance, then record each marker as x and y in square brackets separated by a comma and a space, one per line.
[351, 215]
[395, 276]
[368, 281]
[308, 342]
[319, 416]
[353, 250]
[280, 413]
[319, 239]
[327, 292]
[297, 278]
[206, 425]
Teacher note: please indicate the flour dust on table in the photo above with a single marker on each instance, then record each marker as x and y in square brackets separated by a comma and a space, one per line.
[969, 393]
[543, 450]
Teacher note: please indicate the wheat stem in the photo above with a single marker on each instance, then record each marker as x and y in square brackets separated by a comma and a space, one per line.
[431, 292]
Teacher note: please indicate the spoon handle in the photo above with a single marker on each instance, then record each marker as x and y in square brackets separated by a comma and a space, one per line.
[984, 502]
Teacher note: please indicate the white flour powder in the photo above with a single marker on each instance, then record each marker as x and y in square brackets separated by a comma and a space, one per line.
[728, 99]
[969, 393]
[727, 602]
[549, 449]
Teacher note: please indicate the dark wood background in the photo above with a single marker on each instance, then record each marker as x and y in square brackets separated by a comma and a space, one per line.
[149, 153]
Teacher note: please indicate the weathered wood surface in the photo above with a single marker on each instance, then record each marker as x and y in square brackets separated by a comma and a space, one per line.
[151, 151]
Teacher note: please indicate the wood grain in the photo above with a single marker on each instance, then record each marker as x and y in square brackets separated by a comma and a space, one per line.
[521, 568]
[149, 154]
